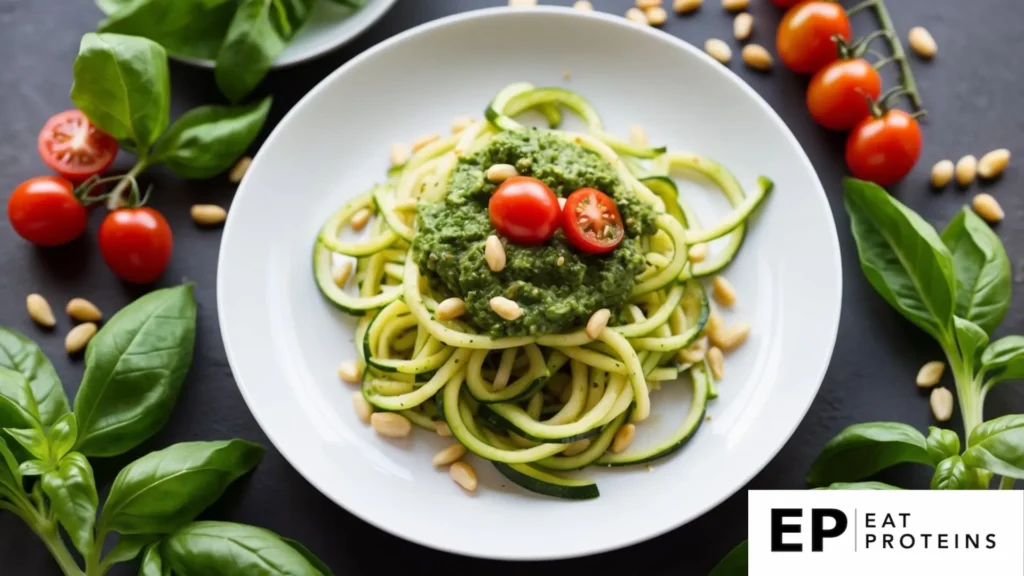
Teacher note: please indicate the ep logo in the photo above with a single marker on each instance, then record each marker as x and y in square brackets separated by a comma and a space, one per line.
[823, 523]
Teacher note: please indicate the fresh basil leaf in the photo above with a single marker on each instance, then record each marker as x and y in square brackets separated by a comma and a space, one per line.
[734, 563]
[1004, 359]
[152, 563]
[164, 490]
[953, 474]
[231, 549]
[190, 28]
[134, 368]
[17, 407]
[971, 340]
[111, 6]
[309, 556]
[31, 439]
[36, 467]
[982, 269]
[860, 486]
[903, 258]
[10, 476]
[127, 548]
[208, 140]
[258, 34]
[45, 399]
[864, 449]
[123, 86]
[63, 435]
[71, 489]
[998, 446]
[942, 444]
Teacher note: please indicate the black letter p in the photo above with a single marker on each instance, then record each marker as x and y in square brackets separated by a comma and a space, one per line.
[818, 531]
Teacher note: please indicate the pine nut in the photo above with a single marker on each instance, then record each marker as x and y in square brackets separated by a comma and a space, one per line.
[583, 5]
[716, 361]
[693, 353]
[442, 429]
[359, 219]
[39, 311]
[343, 273]
[757, 57]
[450, 308]
[994, 163]
[240, 169]
[399, 155]
[623, 438]
[500, 172]
[390, 424]
[698, 252]
[461, 123]
[424, 141]
[645, 4]
[349, 372]
[82, 310]
[597, 322]
[637, 135]
[505, 308]
[79, 337]
[966, 169]
[494, 254]
[942, 173]
[735, 5]
[449, 455]
[208, 214]
[922, 43]
[363, 408]
[686, 6]
[636, 15]
[723, 291]
[732, 337]
[576, 447]
[463, 475]
[930, 374]
[714, 326]
[988, 208]
[743, 26]
[718, 50]
[941, 402]
[656, 16]
[560, 261]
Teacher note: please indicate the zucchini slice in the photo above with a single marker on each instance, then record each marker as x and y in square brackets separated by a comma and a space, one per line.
[354, 305]
[598, 446]
[737, 217]
[329, 232]
[667, 190]
[540, 482]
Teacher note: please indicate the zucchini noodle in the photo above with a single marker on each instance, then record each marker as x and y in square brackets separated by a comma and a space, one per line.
[542, 404]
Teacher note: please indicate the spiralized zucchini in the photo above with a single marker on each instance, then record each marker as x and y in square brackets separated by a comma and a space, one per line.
[534, 404]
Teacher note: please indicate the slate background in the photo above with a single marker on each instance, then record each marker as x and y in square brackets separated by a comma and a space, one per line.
[972, 93]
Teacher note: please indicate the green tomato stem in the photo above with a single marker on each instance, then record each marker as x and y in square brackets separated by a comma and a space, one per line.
[114, 199]
[1006, 483]
[898, 55]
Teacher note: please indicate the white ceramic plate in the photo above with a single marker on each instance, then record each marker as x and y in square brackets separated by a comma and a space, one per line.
[330, 26]
[284, 341]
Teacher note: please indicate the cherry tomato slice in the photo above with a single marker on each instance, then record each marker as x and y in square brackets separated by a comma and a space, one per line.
[805, 41]
[837, 97]
[591, 221]
[74, 148]
[884, 150]
[45, 212]
[136, 244]
[524, 210]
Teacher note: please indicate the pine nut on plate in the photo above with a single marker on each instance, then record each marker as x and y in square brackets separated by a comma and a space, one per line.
[449, 455]
[464, 475]
[390, 424]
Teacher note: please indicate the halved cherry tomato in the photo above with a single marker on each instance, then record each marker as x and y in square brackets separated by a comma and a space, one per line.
[74, 148]
[45, 211]
[805, 39]
[838, 94]
[524, 210]
[883, 150]
[591, 221]
[136, 244]
[786, 3]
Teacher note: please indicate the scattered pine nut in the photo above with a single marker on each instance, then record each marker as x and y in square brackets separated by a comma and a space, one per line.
[423, 142]
[82, 310]
[942, 173]
[240, 169]
[941, 402]
[656, 16]
[718, 50]
[363, 408]
[723, 291]
[686, 6]
[349, 372]
[988, 208]
[922, 43]
[716, 361]
[733, 336]
[399, 155]
[360, 219]
[506, 308]
[583, 5]
[597, 322]
[390, 424]
[636, 15]
[930, 374]
[500, 172]
[576, 447]
[442, 429]
[698, 252]
[623, 438]
[449, 309]
[463, 474]
[560, 261]
[714, 327]
[79, 337]
[993, 164]
[39, 311]
[449, 455]
[343, 273]
[693, 353]
[645, 4]
[735, 5]
[208, 214]
[966, 170]
[757, 57]
[461, 123]
[743, 26]
[637, 135]
[494, 254]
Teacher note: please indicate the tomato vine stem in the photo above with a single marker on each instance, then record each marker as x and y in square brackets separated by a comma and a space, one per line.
[898, 54]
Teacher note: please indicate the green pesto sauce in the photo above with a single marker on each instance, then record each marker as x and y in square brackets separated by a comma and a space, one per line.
[449, 242]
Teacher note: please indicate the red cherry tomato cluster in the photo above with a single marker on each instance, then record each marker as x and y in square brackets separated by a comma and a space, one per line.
[527, 212]
[845, 91]
[135, 241]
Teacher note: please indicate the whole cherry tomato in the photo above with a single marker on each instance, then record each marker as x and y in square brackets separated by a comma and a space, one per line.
[524, 210]
[136, 244]
[806, 39]
[74, 148]
[591, 221]
[837, 96]
[884, 149]
[45, 211]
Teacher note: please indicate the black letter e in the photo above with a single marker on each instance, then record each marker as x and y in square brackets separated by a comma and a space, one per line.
[779, 528]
